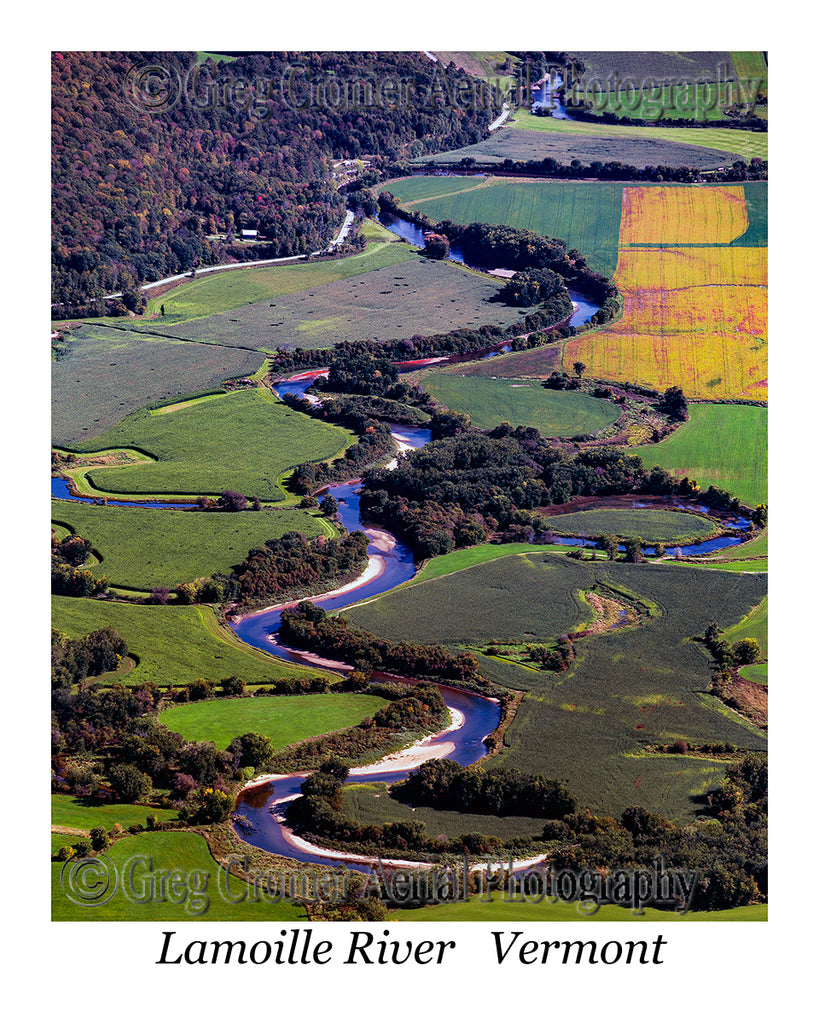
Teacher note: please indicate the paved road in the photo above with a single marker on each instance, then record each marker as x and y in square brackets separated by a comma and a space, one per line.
[344, 230]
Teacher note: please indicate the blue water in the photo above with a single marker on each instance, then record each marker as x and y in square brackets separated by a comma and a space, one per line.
[480, 716]
[702, 548]
[59, 489]
[542, 96]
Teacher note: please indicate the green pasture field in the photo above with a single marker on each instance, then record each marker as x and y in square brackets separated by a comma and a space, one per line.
[626, 689]
[283, 720]
[753, 626]
[145, 548]
[635, 146]
[735, 142]
[84, 813]
[723, 445]
[164, 852]
[419, 296]
[739, 75]
[756, 203]
[219, 58]
[481, 63]
[228, 290]
[650, 524]
[586, 215]
[522, 403]
[107, 373]
[243, 441]
[479, 908]
[173, 644]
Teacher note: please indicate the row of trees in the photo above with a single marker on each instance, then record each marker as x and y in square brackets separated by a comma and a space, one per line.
[291, 565]
[445, 785]
[308, 626]
[610, 170]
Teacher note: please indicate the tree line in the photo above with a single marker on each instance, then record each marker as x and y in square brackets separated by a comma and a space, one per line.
[309, 627]
[459, 489]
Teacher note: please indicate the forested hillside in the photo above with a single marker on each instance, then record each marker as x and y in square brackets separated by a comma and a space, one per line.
[244, 145]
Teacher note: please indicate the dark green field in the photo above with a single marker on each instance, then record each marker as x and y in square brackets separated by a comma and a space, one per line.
[172, 644]
[107, 373]
[626, 689]
[420, 296]
[283, 720]
[371, 804]
[145, 548]
[642, 151]
[243, 441]
[724, 445]
[586, 215]
[521, 403]
[649, 524]
[756, 202]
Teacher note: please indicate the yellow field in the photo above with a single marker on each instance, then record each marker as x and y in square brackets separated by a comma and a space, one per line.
[669, 269]
[696, 318]
[679, 216]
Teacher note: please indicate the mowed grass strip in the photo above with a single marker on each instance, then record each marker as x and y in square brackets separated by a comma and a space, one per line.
[713, 213]
[521, 403]
[723, 445]
[157, 854]
[586, 215]
[242, 441]
[145, 548]
[651, 525]
[174, 644]
[740, 143]
[283, 720]
[220, 292]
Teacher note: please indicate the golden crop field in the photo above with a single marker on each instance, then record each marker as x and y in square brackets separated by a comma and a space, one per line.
[672, 268]
[695, 318]
[678, 216]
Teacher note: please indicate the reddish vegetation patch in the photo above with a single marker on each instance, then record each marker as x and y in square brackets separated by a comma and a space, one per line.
[750, 699]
